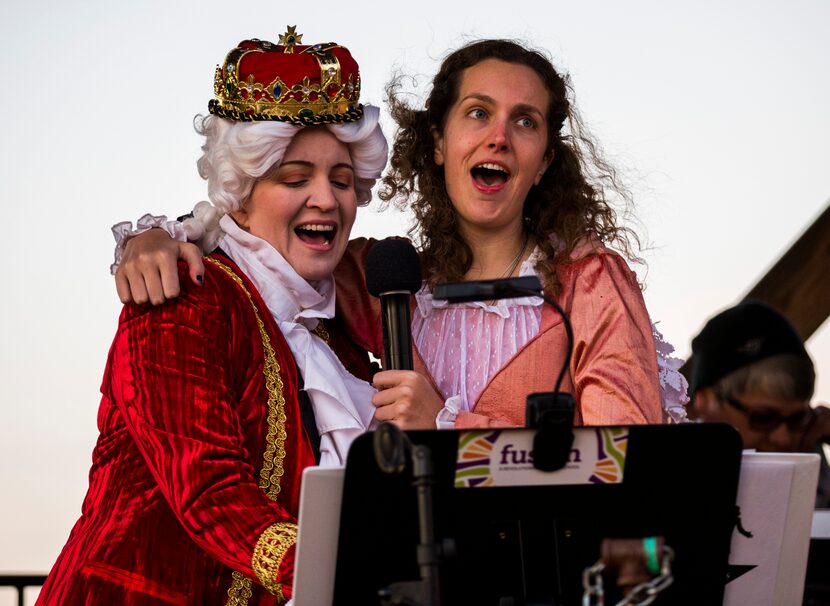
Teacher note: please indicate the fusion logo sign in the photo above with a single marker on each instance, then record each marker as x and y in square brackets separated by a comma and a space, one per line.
[504, 457]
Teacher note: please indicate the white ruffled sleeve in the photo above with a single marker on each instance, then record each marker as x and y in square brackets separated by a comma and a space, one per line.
[124, 230]
[673, 385]
[202, 228]
[445, 419]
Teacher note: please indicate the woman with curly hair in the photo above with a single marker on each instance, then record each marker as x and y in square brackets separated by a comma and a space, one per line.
[502, 182]
[496, 170]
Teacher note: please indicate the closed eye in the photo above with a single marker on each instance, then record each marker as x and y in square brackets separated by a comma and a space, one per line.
[342, 177]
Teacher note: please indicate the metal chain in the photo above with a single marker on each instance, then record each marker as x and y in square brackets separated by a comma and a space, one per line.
[593, 592]
[641, 595]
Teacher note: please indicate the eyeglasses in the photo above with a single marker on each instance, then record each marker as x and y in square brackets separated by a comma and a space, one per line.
[767, 420]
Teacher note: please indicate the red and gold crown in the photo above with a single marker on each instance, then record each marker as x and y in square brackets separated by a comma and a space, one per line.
[307, 85]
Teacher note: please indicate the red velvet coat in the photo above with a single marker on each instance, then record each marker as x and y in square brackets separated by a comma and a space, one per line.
[195, 481]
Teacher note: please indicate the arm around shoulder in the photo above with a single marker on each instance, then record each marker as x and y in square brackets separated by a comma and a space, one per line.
[148, 268]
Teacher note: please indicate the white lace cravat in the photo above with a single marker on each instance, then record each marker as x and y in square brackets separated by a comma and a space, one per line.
[342, 403]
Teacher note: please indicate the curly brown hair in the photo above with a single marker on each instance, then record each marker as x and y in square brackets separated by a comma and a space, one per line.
[569, 202]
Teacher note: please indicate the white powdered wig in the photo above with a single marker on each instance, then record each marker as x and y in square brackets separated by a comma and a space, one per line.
[236, 154]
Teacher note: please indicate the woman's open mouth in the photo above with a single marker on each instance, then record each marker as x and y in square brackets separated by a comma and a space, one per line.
[317, 235]
[489, 177]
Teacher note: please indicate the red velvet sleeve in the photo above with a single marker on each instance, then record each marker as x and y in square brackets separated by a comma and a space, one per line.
[170, 376]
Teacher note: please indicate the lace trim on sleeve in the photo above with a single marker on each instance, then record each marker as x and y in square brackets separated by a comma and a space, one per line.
[123, 231]
[201, 228]
[445, 419]
[673, 386]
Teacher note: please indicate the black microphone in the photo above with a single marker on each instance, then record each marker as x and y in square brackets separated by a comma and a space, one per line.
[393, 273]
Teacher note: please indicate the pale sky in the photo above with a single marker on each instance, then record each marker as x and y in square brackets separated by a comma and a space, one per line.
[717, 111]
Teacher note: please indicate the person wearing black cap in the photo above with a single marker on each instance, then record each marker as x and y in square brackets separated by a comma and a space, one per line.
[750, 369]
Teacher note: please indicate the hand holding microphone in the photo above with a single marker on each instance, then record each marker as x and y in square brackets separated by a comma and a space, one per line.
[406, 398]
[393, 273]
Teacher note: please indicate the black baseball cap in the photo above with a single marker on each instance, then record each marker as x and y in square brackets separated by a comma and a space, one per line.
[737, 337]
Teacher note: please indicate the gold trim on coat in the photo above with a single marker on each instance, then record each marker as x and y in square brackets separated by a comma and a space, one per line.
[272, 470]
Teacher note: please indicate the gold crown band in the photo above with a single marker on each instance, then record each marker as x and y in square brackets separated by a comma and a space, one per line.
[215, 108]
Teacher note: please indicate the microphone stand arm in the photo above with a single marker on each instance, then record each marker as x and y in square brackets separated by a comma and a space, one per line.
[428, 551]
[390, 443]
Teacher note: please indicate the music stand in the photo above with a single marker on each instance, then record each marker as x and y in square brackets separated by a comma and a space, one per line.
[528, 544]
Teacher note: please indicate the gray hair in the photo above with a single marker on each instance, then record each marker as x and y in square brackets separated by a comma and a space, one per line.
[236, 154]
[785, 376]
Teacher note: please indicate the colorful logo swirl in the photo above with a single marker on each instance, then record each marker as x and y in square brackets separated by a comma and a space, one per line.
[473, 465]
[612, 444]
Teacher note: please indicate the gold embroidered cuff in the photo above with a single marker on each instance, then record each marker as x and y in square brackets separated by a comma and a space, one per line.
[271, 547]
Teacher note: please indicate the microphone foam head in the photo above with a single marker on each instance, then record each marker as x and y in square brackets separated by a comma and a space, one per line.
[393, 265]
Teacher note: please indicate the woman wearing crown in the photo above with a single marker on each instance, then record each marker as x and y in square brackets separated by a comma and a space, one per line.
[215, 402]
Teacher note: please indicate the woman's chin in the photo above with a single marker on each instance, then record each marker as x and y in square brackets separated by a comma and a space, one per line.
[315, 261]
[316, 266]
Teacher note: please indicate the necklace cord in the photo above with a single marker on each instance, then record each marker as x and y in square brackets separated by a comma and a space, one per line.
[515, 263]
